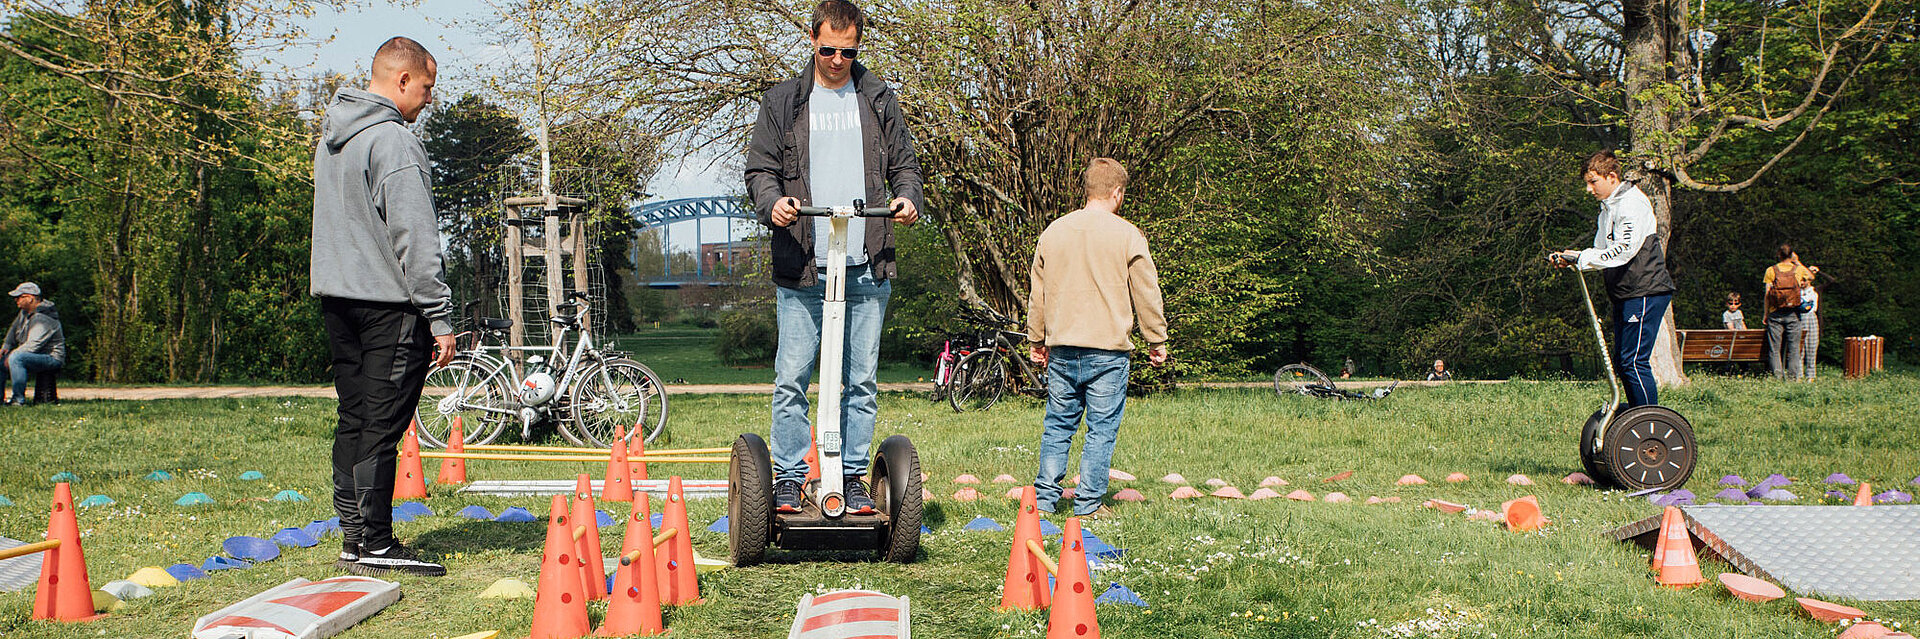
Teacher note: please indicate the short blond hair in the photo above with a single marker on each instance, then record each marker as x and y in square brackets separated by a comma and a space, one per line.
[1103, 176]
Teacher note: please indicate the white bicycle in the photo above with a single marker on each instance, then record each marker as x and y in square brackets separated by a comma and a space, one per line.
[596, 390]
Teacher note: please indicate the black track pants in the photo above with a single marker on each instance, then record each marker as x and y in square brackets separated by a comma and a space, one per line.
[380, 357]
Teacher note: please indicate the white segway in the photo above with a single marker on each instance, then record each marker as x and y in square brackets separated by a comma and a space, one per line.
[1638, 448]
[823, 523]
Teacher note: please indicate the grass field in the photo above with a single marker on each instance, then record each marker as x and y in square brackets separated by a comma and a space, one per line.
[1209, 568]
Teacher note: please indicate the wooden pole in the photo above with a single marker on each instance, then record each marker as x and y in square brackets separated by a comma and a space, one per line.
[589, 451]
[22, 551]
[1041, 554]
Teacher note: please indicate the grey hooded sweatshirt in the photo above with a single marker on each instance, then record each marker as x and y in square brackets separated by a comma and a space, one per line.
[38, 332]
[375, 237]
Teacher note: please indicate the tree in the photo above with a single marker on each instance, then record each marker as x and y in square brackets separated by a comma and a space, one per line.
[470, 141]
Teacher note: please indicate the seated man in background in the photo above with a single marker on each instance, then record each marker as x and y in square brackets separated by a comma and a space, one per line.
[35, 341]
[1439, 372]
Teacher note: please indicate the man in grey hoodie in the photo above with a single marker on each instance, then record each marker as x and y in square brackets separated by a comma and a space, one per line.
[35, 342]
[378, 272]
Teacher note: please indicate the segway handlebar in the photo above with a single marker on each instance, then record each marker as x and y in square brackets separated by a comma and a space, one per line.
[859, 209]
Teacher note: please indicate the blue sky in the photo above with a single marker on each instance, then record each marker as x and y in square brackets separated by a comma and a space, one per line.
[343, 42]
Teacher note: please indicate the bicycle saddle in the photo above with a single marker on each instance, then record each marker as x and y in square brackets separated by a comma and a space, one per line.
[495, 323]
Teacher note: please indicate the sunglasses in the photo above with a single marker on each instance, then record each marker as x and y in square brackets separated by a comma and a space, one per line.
[848, 53]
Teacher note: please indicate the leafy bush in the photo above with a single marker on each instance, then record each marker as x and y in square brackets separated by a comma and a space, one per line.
[747, 336]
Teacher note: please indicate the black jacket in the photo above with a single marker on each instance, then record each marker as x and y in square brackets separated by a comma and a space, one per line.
[777, 165]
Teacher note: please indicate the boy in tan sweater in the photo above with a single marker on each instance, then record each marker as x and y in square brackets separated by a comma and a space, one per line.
[1092, 277]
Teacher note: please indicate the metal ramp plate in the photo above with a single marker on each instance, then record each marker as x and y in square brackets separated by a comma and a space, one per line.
[19, 572]
[1869, 553]
[694, 488]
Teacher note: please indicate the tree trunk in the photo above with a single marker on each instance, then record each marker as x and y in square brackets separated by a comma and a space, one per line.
[1652, 33]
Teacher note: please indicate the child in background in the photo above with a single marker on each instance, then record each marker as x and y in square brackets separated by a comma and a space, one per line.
[1732, 319]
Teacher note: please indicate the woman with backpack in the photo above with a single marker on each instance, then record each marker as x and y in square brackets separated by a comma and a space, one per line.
[1784, 330]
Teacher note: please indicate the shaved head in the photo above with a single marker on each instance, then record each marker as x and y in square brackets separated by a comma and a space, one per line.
[398, 55]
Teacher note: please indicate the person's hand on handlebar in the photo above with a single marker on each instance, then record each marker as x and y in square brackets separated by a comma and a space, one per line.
[904, 212]
[785, 211]
[443, 350]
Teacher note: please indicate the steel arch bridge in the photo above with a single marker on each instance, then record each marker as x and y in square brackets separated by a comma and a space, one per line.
[659, 215]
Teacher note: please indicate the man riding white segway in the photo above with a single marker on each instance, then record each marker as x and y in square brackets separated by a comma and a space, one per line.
[833, 137]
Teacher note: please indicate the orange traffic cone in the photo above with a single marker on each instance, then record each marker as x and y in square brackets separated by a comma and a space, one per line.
[1659, 546]
[813, 461]
[679, 586]
[560, 605]
[1026, 584]
[1523, 514]
[64, 593]
[636, 591]
[1071, 616]
[410, 482]
[1678, 567]
[1865, 496]
[593, 567]
[637, 449]
[616, 487]
[454, 470]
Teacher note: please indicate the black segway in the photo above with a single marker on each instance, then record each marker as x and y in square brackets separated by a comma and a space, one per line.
[893, 531]
[1638, 448]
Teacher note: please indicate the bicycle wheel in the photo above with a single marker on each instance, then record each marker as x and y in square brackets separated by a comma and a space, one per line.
[979, 382]
[617, 392]
[476, 391]
[1299, 379]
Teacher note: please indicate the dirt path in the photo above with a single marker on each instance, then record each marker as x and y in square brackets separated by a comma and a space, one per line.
[142, 393]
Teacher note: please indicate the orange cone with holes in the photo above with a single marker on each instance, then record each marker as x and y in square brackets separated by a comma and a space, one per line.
[410, 480]
[1865, 496]
[813, 461]
[593, 566]
[679, 586]
[1071, 616]
[560, 605]
[1026, 584]
[453, 470]
[616, 487]
[637, 450]
[635, 609]
[64, 593]
[1678, 567]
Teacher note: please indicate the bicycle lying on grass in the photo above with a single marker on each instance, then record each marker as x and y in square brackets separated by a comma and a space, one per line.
[595, 389]
[1304, 379]
[994, 365]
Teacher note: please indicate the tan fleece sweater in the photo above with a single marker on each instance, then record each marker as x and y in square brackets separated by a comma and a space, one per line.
[1092, 277]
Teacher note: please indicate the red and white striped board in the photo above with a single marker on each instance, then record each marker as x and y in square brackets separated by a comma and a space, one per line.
[300, 609]
[851, 614]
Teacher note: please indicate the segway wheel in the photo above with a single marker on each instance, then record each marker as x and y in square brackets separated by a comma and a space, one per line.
[1590, 458]
[1649, 447]
[897, 491]
[749, 500]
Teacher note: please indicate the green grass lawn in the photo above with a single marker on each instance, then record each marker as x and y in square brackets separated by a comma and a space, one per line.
[1209, 568]
[686, 353]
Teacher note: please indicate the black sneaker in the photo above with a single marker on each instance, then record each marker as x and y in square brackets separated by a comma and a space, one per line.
[396, 558]
[349, 554]
[788, 496]
[858, 501]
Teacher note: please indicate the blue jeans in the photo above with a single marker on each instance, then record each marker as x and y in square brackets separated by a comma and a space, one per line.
[21, 366]
[1636, 324]
[799, 311]
[1085, 382]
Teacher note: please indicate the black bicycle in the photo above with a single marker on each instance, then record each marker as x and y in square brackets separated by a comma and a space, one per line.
[995, 365]
[1304, 379]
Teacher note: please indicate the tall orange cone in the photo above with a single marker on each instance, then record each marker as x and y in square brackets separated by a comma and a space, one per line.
[679, 586]
[1659, 545]
[616, 486]
[64, 593]
[560, 605]
[1071, 616]
[454, 470]
[593, 566]
[410, 481]
[1865, 496]
[1026, 584]
[813, 460]
[1678, 567]
[637, 450]
[636, 591]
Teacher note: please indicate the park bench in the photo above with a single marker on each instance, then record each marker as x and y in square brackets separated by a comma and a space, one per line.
[1722, 345]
